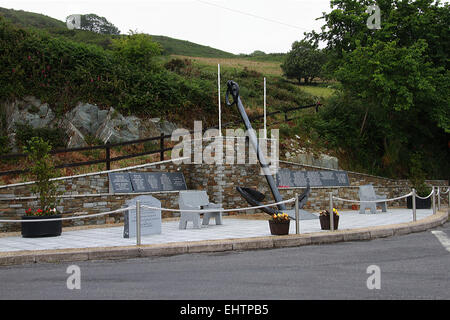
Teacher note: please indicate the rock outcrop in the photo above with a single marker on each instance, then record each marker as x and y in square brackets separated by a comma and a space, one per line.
[83, 121]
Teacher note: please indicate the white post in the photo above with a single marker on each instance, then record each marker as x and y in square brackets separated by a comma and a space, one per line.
[439, 198]
[434, 200]
[331, 212]
[220, 111]
[297, 226]
[138, 223]
[265, 120]
[413, 198]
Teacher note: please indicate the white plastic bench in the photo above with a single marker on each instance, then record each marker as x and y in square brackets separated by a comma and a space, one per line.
[367, 193]
[197, 200]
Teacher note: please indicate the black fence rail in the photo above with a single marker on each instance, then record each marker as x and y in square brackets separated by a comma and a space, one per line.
[162, 149]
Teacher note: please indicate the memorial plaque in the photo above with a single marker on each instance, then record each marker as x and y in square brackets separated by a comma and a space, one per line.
[284, 178]
[288, 178]
[166, 183]
[139, 182]
[150, 218]
[146, 182]
[119, 182]
[153, 182]
[314, 178]
[177, 179]
[300, 178]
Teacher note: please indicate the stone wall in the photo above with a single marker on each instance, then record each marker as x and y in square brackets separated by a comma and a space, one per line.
[90, 194]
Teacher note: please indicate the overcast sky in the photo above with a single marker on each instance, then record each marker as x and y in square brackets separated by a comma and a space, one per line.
[237, 26]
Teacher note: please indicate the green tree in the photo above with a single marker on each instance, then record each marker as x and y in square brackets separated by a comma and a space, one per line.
[92, 22]
[304, 61]
[257, 53]
[137, 48]
[397, 77]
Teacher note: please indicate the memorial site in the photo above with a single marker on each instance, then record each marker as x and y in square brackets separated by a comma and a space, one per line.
[313, 162]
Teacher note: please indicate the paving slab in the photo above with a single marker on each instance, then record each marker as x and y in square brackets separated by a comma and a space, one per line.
[232, 228]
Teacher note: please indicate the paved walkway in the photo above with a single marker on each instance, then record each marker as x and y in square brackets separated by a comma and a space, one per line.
[232, 228]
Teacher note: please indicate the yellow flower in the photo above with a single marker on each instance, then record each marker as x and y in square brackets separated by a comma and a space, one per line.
[274, 216]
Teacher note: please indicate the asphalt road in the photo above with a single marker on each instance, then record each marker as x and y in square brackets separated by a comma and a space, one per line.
[414, 266]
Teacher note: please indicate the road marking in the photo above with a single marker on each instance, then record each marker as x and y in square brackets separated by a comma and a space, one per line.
[443, 239]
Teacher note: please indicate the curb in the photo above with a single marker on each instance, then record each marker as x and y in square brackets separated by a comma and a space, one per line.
[269, 242]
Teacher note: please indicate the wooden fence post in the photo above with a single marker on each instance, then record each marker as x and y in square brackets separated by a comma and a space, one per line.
[161, 147]
[108, 156]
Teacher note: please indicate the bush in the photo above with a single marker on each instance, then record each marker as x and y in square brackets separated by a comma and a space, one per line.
[137, 48]
[176, 65]
[42, 171]
[57, 138]
[4, 144]
[417, 175]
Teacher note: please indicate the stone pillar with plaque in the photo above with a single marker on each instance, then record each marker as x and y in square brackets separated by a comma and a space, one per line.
[150, 218]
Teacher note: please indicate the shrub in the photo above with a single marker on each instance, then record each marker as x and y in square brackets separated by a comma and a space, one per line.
[137, 48]
[56, 137]
[42, 171]
[4, 144]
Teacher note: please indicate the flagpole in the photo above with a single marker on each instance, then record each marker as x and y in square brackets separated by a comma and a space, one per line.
[265, 121]
[220, 115]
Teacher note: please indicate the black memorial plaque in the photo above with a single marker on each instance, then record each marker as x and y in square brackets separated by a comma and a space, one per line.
[165, 181]
[146, 182]
[287, 178]
[139, 182]
[177, 179]
[153, 182]
[120, 182]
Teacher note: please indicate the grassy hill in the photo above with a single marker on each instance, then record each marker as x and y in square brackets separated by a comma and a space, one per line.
[31, 19]
[56, 27]
[187, 48]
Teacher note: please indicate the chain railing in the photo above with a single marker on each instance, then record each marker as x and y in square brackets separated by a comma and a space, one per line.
[139, 207]
[413, 194]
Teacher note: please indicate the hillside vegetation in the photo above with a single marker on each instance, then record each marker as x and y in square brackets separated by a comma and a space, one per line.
[58, 69]
[61, 67]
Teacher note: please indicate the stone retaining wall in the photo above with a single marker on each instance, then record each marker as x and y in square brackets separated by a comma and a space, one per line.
[219, 181]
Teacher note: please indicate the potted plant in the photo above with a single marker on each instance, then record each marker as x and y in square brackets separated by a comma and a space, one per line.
[417, 180]
[324, 218]
[41, 171]
[279, 224]
[422, 190]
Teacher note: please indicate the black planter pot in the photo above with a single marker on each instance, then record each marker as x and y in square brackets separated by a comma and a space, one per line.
[41, 228]
[279, 228]
[420, 203]
[325, 222]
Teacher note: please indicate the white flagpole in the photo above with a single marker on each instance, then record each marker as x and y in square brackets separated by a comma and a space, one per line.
[265, 122]
[220, 117]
